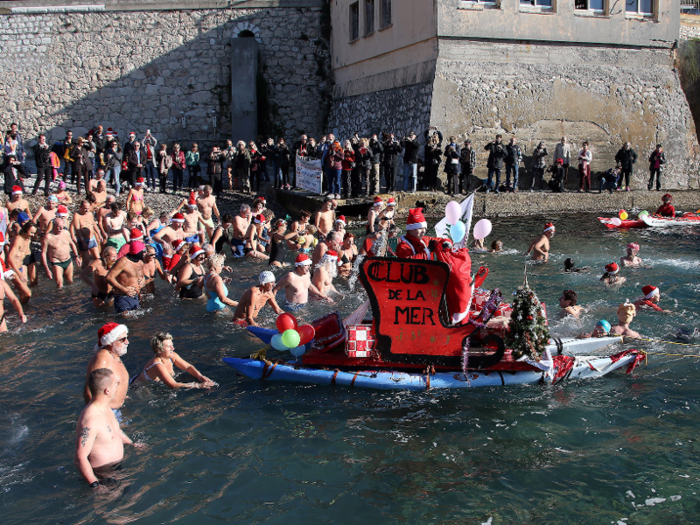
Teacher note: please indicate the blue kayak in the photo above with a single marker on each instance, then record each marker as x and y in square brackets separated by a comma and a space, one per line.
[580, 368]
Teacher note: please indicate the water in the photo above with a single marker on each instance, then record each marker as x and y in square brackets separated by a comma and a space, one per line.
[593, 452]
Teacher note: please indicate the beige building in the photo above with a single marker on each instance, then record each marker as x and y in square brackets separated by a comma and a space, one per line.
[593, 70]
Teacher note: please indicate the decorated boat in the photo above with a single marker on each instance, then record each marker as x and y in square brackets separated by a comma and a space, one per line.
[646, 220]
[408, 341]
[612, 223]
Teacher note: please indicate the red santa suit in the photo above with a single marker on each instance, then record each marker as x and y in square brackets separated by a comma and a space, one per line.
[667, 209]
[459, 291]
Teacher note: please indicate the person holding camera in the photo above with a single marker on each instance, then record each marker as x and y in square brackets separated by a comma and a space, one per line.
[452, 167]
[433, 157]
[497, 154]
[513, 160]
[410, 162]
[390, 160]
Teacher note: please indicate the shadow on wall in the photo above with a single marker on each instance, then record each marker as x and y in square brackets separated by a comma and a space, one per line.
[168, 72]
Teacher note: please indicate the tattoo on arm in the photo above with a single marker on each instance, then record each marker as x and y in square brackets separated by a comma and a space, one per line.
[84, 434]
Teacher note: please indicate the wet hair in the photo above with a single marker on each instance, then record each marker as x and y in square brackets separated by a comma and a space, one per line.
[570, 295]
[569, 264]
[115, 207]
[349, 235]
[99, 380]
[130, 216]
[227, 217]
[497, 246]
[158, 340]
[27, 226]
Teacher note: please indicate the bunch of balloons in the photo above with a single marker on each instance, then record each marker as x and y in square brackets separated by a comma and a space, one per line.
[453, 212]
[291, 336]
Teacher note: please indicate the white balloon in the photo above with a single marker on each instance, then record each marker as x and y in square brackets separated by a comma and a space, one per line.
[482, 229]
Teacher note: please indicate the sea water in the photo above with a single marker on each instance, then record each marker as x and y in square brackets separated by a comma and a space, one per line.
[620, 449]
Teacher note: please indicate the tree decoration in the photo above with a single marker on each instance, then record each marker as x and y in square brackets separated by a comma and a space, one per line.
[527, 331]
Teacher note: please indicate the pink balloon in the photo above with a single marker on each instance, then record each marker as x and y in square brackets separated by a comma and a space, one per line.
[482, 229]
[616, 221]
[453, 211]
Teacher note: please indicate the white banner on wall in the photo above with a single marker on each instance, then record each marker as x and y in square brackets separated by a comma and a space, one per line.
[309, 174]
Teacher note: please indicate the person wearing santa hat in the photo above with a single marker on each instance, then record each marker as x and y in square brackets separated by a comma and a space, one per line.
[17, 201]
[612, 277]
[666, 209]
[374, 213]
[652, 296]
[192, 219]
[169, 235]
[324, 273]
[254, 246]
[415, 244]
[390, 210]
[126, 278]
[540, 246]
[190, 279]
[254, 299]
[340, 224]
[57, 250]
[85, 233]
[134, 199]
[631, 260]
[112, 344]
[135, 235]
[297, 285]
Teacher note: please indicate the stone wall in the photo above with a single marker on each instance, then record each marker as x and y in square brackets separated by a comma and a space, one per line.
[141, 70]
[396, 111]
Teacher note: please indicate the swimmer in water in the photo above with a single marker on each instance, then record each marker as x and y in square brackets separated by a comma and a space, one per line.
[570, 267]
[568, 301]
[625, 315]
[612, 278]
[602, 329]
[631, 260]
[540, 246]
[254, 299]
[652, 295]
[496, 246]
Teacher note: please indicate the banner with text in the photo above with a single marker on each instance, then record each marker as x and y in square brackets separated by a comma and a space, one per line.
[309, 174]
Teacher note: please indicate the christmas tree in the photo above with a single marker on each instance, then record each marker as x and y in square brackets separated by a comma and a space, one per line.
[527, 332]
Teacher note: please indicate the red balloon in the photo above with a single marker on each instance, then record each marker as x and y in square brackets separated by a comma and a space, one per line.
[306, 333]
[286, 322]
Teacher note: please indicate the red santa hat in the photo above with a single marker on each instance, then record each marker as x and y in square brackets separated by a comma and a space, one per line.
[302, 260]
[2, 240]
[16, 190]
[667, 198]
[110, 131]
[135, 234]
[177, 244]
[549, 226]
[650, 291]
[416, 219]
[612, 268]
[330, 255]
[192, 203]
[139, 182]
[391, 202]
[195, 251]
[178, 217]
[110, 334]
[341, 219]
[261, 197]
[62, 211]
[259, 219]
[132, 133]
[378, 201]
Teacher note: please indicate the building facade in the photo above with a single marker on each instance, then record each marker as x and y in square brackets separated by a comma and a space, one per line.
[591, 70]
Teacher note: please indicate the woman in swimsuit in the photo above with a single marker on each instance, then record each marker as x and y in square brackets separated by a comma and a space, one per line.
[134, 200]
[221, 234]
[277, 240]
[62, 194]
[162, 366]
[21, 260]
[190, 280]
[215, 285]
[300, 225]
[348, 254]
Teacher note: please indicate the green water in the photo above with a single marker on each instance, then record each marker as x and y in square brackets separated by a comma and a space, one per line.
[253, 452]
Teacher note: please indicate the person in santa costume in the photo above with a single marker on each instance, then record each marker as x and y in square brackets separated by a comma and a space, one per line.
[612, 276]
[416, 245]
[652, 295]
[666, 209]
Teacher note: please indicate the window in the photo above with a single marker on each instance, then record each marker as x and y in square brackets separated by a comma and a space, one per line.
[369, 17]
[640, 7]
[385, 13]
[535, 4]
[597, 6]
[484, 2]
[354, 21]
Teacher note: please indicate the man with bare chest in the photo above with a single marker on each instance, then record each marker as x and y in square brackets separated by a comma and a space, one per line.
[86, 235]
[326, 270]
[112, 344]
[170, 234]
[95, 275]
[102, 211]
[540, 246]
[151, 267]
[325, 218]
[98, 187]
[255, 298]
[45, 215]
[126, 279]
[191, 224]
[297, 285]
[114, 224]
[241, 223]
[99, 442]
[57, 249]
[206, 204]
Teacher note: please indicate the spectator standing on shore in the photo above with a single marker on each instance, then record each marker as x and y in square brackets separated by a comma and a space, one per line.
[301, 149]
[657, 159]
[113, 163]
[363, 163]
[563, 151]
[165, 162]
[584, 168]
[44, 170]
[257, 166]
[193, 168]
[410, 162]
[101, 144]
[63, 151]
[433, 158]
[626, 158]
[452, 166]
[390, 160]
[347, 161]
[497, 154]
[538, 166]
[513, 159]
[148, 146]
[282, 162]
[178, 166]
[268, 151]
[215, 167]
[377, 149]
[467, 161]
[135, 161]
